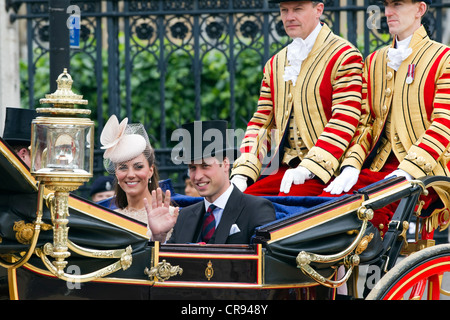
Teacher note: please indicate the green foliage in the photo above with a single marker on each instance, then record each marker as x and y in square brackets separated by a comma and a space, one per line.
[179, 83]
[42, 85]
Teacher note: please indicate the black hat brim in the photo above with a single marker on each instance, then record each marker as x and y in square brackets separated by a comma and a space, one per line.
[231, 153]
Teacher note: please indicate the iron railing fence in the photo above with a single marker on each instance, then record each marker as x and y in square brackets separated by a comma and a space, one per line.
[166, 62]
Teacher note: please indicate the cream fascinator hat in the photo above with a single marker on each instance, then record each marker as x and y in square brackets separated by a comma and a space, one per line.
[123, 142]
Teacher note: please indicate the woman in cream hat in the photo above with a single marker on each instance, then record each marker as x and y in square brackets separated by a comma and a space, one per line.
[131, 158]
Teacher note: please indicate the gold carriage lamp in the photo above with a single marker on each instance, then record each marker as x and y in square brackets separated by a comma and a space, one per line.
[62, 160]
[61, 157]
[61, 139]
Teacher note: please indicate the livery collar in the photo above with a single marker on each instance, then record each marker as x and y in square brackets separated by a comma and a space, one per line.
[321, 37]
[416, 37]
[311, 38]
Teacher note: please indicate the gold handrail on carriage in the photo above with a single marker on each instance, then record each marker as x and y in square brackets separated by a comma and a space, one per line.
[359, 244]
[124, 263]
[37, 229]
[124, 256]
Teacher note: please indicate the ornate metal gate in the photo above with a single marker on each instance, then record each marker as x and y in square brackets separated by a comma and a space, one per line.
[166, 62]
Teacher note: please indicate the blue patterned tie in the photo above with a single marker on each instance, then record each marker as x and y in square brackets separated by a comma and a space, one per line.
[209, 224]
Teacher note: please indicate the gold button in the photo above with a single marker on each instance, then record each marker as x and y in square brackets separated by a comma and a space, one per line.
[396, 138]
[445, 216]
[420, 161]
[381, 226]
[389, 75]
[290, 97]
[411, 156]
[388, 92]
[384, 108]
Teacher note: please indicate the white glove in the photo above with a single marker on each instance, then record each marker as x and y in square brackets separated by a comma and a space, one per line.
[240, 182]
[297, 176]
[399, 173]
[343, 182]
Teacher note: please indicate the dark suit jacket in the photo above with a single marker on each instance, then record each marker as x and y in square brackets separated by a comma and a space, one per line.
[246, 211]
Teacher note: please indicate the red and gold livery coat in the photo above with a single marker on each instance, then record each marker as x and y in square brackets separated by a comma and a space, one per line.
[415, 111]
[326, 105]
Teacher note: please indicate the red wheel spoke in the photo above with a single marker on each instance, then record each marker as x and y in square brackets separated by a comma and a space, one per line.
[418, 290]
[434, 288]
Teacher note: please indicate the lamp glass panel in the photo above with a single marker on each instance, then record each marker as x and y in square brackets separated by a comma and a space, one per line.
[63, 148]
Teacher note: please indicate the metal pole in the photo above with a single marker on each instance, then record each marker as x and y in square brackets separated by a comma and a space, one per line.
[59, 40]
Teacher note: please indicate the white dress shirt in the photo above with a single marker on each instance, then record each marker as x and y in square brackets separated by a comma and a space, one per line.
[220, 203]
[400, 53]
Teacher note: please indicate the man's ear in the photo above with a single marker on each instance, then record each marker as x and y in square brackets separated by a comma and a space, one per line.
[320, 8]
[226, 162]
[423, 8]
[22, 153]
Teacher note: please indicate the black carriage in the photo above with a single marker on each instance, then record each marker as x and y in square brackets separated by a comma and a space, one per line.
[315, 247]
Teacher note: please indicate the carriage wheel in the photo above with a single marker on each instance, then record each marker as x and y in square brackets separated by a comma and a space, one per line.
[408, 279]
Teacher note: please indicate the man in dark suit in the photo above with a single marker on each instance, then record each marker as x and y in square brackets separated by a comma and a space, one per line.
[234, 216]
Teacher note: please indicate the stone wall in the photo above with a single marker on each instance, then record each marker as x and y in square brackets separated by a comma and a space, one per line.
[9, 64]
